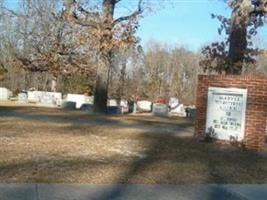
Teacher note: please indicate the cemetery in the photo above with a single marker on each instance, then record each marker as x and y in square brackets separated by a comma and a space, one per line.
[55, 140]
[57, 137]
[130, 95]
[85, 103]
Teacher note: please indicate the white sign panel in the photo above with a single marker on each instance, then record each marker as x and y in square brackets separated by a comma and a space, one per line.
[226, 112]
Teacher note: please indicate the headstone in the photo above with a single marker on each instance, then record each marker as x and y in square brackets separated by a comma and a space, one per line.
[145, 106]
[112, 102]
[46, 99]
[31, 97]
[5, 94]
[87, 107]
[69, 105]
[89, 99]
[160, 109]
[114, 110]
[124, 103]
[226, 112]
[134, 107]
[173, 103]
[22, 97]
[179, 110]
[79, 99]
[124, 106]
[34, 96]
[50, 99]
[190, 111]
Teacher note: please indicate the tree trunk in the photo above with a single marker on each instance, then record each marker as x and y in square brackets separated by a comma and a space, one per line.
[28, 80]
[237, 49]
[122, 81]
[101, 89]
[103, 74]
[238, 37]
[100, 96]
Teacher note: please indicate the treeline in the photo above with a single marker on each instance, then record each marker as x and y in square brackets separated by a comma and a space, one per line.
[158, 71]
[89, 47]
[79, 47]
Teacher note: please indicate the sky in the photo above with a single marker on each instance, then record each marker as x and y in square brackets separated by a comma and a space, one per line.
[186, 23]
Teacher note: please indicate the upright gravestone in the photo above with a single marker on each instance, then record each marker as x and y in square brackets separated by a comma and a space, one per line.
[160, 109]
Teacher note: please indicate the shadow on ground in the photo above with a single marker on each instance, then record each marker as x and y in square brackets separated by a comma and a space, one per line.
[167, 159]
[80, 118]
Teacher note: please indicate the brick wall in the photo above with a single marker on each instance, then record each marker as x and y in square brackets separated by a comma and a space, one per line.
[256, 86]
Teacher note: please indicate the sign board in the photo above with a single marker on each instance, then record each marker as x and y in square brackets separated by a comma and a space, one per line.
[226, 112]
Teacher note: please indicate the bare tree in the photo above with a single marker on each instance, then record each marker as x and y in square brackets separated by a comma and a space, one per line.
[166, 71]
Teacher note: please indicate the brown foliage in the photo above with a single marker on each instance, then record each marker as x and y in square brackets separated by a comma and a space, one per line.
[232, 55]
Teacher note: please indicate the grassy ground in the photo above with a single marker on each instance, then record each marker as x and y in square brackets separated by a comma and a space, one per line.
[53, 145]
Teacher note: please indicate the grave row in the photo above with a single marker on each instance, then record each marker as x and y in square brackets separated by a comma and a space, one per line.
[85, 103]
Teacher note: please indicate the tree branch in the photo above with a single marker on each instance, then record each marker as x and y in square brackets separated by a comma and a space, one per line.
[88, 13]
[133, 15]
[70, 13]
[29, 64]
[12, 12]
[87, 23]
[259, 8]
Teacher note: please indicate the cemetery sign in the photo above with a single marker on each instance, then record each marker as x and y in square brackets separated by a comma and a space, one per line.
[226, 112]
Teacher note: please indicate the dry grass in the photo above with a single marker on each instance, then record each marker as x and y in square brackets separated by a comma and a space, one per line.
[52, 145]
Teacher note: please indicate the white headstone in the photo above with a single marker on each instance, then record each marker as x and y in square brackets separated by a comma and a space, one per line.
[226, 112]
[173, 102]
[178, 110]
[79, 99]
[50, 98]
[4, 94]
[22, 97]
[44, 98]
[34, 96]
[89, 99]
[112, 102]
[144, 106]
[124, 104]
